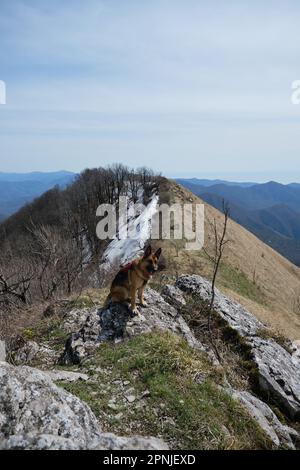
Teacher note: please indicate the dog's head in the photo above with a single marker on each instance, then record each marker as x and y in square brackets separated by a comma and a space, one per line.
[149, 261]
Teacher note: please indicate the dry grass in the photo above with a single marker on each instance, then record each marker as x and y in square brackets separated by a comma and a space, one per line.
[253, 273]
[234, 353]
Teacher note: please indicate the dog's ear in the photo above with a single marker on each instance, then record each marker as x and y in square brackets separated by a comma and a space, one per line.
[148, 251]
[158, 253]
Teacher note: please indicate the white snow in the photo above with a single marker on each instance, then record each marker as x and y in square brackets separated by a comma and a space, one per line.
[122, 250]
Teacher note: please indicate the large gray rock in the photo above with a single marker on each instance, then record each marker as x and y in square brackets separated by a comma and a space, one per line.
[173, 295]
[160, 315]
[278, 374]
[36, 414]
[116, 320]
[107, 441]
[32, 405]
[36, 441]
[237, 316]
[280, 435]
[277, 370]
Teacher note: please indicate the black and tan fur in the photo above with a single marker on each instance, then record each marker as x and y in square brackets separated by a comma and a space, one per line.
[133, 278]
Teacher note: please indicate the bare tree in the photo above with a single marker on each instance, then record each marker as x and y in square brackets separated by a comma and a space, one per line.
[220, 241]
[16, 279]
[15, 287]
[59, 261]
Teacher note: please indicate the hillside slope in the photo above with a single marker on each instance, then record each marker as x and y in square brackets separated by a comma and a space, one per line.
[252, 272]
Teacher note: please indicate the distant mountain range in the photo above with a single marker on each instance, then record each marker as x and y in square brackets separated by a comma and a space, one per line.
[16, 189]
[271, 210]
[207, 183]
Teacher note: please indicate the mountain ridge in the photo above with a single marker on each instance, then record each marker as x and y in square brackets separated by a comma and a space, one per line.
[270, 210]
[34, 175]
[18, 189]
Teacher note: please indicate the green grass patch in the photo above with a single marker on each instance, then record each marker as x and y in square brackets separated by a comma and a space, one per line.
[233, 279]
[47, 330]
[83, 301]
[29, 333]
[237, 281]
[187, 414]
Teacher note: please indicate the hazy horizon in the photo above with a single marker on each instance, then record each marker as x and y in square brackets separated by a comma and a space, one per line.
[248, 178]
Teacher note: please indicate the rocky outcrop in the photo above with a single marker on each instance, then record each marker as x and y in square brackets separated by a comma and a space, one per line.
[34, 411]
[116, 321]
[280, 435]
[36, 414]
[78, 317]
[278, 374]
[277, 371]
[27, 353]
[234, 314]
[83, 340]
[107, 441]
[173, 295]
[160, 315]
[37, 441]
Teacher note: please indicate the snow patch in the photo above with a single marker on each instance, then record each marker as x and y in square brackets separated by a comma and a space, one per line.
[123, 250]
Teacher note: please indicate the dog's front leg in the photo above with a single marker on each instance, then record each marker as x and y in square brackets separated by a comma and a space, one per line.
[133, 300]
[141, 296]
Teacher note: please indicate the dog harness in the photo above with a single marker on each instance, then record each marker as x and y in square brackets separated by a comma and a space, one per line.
[126, 268]
[130, 266]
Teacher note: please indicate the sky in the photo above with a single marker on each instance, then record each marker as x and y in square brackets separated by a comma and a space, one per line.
[186, 87]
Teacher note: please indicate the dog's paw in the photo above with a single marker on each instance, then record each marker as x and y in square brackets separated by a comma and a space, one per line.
[144, 304]
[135, 311]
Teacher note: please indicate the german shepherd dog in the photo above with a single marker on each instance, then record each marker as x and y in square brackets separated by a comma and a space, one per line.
[132, 279]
